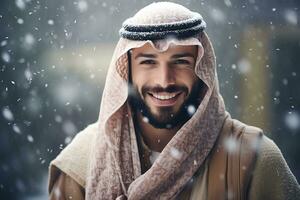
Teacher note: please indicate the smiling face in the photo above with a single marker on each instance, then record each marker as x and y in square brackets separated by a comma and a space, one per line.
[164, 83]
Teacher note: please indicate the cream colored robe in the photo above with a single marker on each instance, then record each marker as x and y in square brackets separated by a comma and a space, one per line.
[272, 178]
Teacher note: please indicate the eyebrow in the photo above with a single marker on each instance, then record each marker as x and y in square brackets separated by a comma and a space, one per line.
[183, 55]
[173, 56]
[145, 55]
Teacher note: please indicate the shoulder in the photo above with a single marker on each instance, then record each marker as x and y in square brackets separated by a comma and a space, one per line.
[272, 177]
[73, 159]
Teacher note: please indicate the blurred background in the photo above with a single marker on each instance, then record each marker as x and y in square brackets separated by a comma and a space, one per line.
[53, 61]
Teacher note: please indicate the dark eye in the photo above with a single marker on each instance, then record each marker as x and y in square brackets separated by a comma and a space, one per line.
[182, 61]
[148, 62]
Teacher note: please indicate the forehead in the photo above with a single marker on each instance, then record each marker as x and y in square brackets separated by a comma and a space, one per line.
[172, 49]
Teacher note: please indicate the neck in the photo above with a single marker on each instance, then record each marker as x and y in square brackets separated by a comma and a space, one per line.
[156, 139]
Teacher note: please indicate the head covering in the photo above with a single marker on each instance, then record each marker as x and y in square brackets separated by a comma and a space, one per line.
[137, 28]
[114, 170]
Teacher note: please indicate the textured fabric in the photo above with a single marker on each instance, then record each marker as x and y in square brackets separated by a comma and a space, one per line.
[67, 160]
[272, 178]
[232, 161]
[66, 188]
[114, 169]
[189, 25]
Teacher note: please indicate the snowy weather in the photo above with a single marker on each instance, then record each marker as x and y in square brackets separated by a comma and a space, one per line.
[54, 57]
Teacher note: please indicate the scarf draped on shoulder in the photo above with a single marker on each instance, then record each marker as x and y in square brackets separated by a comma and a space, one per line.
[114, 170]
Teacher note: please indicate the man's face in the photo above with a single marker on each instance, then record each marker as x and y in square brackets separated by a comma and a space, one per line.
[163, 82]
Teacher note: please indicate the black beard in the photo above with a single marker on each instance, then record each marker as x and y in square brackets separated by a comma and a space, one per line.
[168, 119]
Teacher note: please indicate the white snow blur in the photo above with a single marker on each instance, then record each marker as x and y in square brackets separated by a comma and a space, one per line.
[175, 153]
[191, 109]
[5, 57]
[82, 6]
[50, 22]
[244, 66]
[7, 114]
[228, 3]
[218, 15]
[69, 127]
[58, 118]
[291, 17]
[231, 145]
[146, 119]
[3, 43]
[28, 74]
[20, 4]
[29, 41]
[16, 129]
[66, 92]
[292, 120]
[20, 21]
[30, 138]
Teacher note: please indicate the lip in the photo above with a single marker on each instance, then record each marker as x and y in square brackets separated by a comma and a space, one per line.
[166, 102]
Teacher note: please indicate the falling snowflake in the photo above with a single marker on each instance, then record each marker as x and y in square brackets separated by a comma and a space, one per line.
[3, 43]
[191, 109]
[20, 21]
[292, 120]
[5, 57]
[244, 66]
[30, 138]
[228, 3]
[146, 119]
[175, 153]
[58, 118]
[285, 81]
[231, 144]
[66, 92]
[28, 74]
[69, 127]
[20, 4]
[68, 140]
[50, 22]
[68, 34]
[28, 41]
[291, 17]
[7, 114]
[92, 76]
[82, 6]
[217, 15]
[20, 185]
[34, 104]
[16, 129]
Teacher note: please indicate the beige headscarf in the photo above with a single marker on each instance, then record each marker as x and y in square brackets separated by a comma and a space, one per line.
[114, 170]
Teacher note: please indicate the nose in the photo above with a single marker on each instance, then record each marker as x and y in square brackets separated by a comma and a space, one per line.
[165, 76]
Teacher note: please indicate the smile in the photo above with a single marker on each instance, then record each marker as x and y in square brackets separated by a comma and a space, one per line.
[164, 99]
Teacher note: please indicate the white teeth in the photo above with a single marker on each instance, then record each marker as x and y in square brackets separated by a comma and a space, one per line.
[164, 97]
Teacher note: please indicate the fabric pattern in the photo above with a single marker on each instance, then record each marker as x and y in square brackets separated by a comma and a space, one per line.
[114, 170]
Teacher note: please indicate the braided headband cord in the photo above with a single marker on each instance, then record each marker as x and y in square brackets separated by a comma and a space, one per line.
[182, 29]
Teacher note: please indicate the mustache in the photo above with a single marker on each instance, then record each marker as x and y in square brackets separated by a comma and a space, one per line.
[171, 88]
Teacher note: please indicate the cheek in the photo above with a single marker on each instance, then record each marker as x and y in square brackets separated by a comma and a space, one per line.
[188, 79]
[138, 83]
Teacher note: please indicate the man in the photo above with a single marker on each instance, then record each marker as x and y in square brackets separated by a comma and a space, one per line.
[163, 132]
